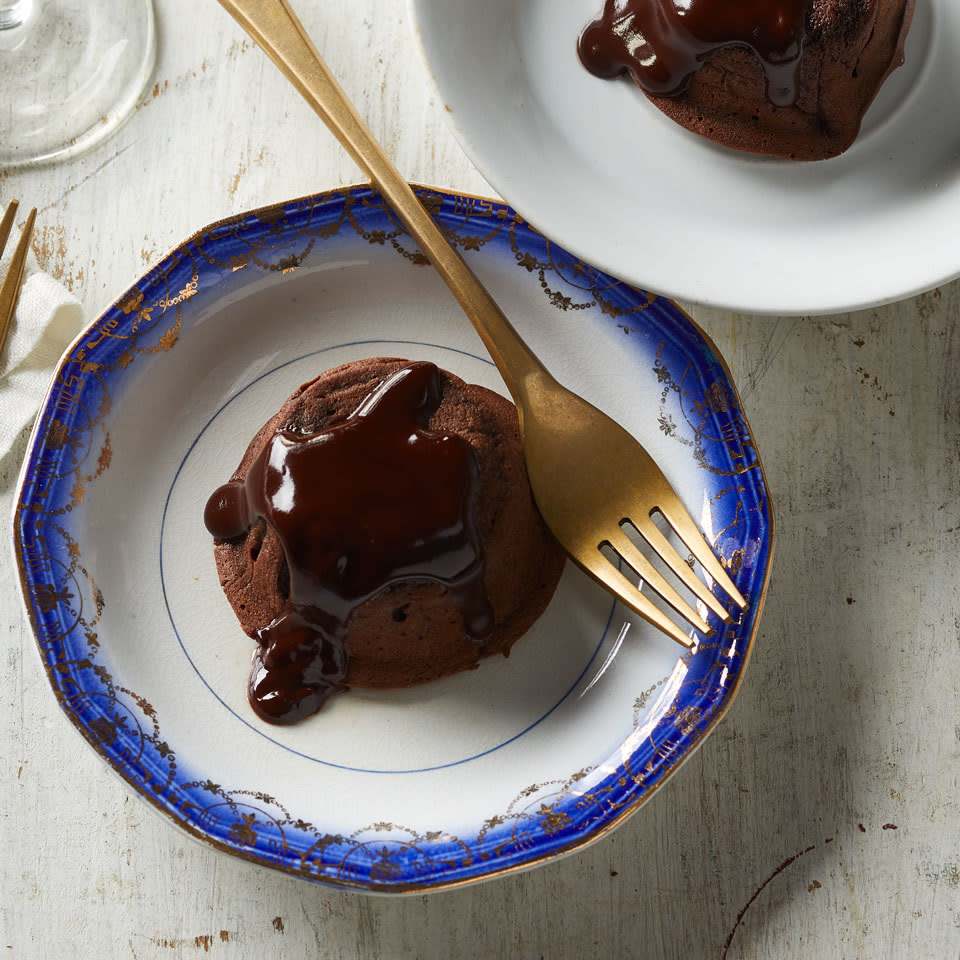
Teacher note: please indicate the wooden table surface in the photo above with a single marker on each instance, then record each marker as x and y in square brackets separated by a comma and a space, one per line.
[821, 817]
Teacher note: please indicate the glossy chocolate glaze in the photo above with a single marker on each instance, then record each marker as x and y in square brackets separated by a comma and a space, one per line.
[661, 43]
[373, 501]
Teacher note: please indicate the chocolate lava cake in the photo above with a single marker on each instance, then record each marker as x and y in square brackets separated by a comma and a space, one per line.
[380, 532]
[787, 78]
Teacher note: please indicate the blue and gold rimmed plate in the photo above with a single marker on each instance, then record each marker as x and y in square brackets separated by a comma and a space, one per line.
[486, 772]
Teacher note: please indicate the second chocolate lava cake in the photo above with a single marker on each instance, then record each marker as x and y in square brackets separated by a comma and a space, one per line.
[787, 78]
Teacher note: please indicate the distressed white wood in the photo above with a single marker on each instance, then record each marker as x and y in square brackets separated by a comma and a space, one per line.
[847, 721]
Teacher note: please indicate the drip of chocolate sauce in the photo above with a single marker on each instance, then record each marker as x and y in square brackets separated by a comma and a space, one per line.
[662, 43]
[371, 502]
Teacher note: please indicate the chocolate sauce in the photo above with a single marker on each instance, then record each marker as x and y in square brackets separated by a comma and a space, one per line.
[662, 43]
[373, 501]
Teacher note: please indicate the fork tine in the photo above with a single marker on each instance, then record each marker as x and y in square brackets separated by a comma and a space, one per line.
[684, 527]
[649, 573]
[11, 284]
[7, 223]
[602, 569]
[664, 549]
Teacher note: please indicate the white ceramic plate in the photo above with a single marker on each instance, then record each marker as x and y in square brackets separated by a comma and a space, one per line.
[483, 772]
[594, 166]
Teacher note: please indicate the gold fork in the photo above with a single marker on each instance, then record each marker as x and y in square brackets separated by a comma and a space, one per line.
[588, 475]
[10, 289]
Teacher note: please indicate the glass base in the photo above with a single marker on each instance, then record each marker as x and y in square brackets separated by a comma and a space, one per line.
[71, 71]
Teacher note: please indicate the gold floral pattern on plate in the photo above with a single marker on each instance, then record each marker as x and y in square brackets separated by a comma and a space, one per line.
[73, 448]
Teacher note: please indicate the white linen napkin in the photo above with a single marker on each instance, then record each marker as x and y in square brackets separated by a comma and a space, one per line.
[46, 320]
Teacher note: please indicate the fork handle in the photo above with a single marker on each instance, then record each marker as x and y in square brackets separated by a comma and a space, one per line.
[275, 27]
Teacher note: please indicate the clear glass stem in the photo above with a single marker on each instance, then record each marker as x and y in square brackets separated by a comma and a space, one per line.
[15, 14]
[71, 71]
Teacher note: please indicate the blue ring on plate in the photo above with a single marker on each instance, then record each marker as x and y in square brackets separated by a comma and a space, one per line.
[62, 600]
[258, 730]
